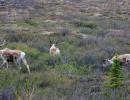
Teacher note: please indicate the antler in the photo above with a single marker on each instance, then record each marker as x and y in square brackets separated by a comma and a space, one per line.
[57, 42]
[50, 40]
[3, 43]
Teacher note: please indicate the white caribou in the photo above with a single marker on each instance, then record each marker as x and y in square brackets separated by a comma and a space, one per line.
[54, 51]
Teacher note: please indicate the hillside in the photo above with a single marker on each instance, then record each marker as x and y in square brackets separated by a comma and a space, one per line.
[88, 31]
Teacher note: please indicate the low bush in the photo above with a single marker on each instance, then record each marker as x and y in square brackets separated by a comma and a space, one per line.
[87, 24]
[30, 22]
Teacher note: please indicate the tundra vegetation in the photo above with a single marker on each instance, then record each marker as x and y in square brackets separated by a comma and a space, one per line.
[88, 31]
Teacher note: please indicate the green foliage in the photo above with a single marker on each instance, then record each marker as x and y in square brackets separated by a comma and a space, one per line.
[41, 63]
[89, 27]
[116, 76]
[87, 24]
[30, 22]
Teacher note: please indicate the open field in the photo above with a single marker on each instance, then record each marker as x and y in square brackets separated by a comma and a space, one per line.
[88, 31]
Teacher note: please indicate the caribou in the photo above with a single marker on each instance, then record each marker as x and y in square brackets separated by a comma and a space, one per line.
[17, 56]
[54, 51]
[124, 59]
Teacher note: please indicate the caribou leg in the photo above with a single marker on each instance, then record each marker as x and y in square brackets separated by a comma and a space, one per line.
[19, 65]
[17, 62]
[4, 62]
[25, 63]
[7, 65]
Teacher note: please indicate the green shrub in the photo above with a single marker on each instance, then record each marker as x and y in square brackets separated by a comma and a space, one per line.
[31, 22]
[116, 76]
[90, 31]
[87, 24]
[41, 63]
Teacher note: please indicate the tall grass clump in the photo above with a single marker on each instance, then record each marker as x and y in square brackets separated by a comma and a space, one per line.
[24, 90]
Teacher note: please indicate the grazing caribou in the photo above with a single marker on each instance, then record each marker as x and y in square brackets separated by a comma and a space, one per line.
[124, 59]
[16, 56]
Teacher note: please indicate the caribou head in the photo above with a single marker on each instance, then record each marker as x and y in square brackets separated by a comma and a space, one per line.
[107, 62]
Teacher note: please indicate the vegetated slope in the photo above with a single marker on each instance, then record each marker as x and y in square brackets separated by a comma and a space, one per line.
[88, 30]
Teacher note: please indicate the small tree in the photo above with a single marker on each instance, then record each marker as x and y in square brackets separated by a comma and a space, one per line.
[115, 82]
[116, 76]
